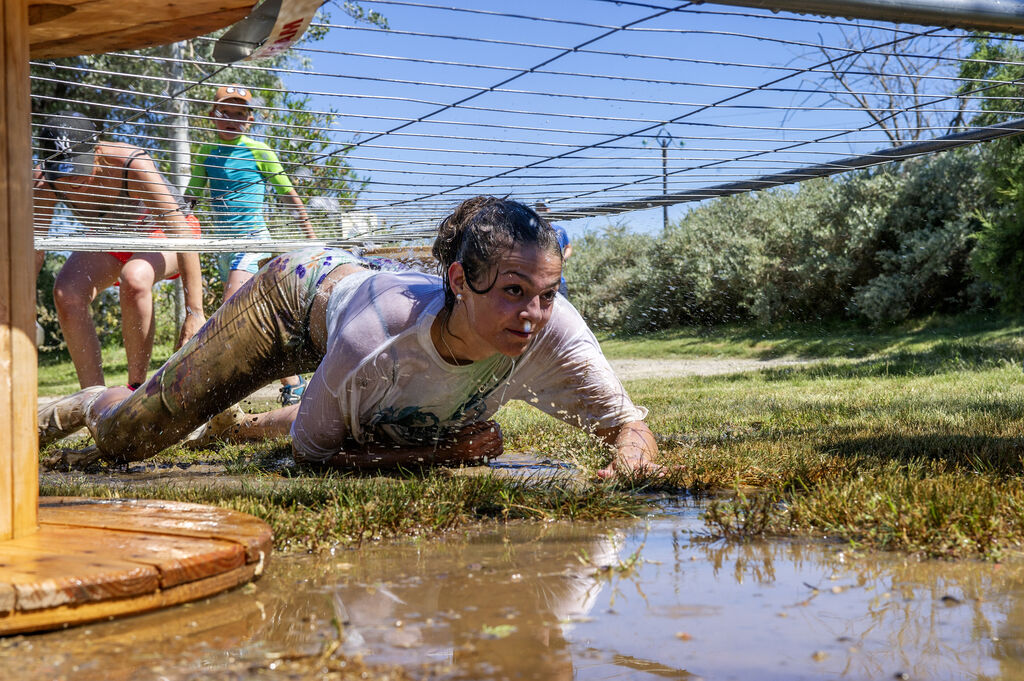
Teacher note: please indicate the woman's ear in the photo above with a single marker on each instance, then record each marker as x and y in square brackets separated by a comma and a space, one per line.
[457, 278]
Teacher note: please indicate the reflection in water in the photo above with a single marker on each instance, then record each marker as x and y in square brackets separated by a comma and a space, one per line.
[651, 599]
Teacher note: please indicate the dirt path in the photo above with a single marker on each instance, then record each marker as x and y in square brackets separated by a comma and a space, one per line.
[628, 369]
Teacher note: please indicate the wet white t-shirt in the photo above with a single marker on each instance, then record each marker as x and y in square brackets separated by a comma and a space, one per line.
[382, 380]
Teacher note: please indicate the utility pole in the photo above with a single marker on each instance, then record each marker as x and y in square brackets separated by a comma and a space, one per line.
[664, 138]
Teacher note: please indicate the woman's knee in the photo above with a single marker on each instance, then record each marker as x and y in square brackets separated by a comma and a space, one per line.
[137, 279]
[69, 296]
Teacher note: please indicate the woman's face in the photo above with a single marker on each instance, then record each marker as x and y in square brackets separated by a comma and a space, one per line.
[514, 310]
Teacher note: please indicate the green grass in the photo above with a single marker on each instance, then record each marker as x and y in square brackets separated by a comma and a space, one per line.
[912, 440]
[846, 340]
[310, 509]
[57, 373]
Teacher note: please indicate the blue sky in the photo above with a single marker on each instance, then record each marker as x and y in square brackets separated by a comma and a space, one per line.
[584, 135]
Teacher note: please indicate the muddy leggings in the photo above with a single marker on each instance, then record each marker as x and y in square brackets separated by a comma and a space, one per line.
[261, 334]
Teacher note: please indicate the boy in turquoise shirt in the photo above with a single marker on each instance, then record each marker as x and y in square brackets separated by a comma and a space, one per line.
[237, 170]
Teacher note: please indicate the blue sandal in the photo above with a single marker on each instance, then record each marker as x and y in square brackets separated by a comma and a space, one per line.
[291, 394]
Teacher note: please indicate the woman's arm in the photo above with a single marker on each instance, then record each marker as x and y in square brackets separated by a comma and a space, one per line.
[150, 187]
[635, 451]
[43, 203]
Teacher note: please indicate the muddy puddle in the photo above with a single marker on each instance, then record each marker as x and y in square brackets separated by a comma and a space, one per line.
[651, 599]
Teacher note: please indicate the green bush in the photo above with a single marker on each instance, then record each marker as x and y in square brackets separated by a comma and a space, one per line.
[998, 256]
[878, 246]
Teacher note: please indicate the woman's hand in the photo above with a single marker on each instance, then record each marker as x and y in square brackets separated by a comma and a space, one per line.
[635, 451]
[193, 322]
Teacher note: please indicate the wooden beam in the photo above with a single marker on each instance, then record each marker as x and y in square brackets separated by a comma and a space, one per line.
[19, 456]
[66, 28]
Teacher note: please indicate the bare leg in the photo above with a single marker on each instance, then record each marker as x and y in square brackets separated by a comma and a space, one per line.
[234, 425]
[81, 278]
[269, 424]
[235, 281]
[138, 322]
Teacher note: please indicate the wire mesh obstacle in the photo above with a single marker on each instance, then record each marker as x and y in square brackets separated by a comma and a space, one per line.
[386, 119]
[391, 112]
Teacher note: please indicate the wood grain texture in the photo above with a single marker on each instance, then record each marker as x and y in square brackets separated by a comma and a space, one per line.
[18, 439]
[7, 25]
[95, 26]
[25, 621]
[162, 517]
[109, 557]
[6, 598]
[176, 559]
[44, 580]
[18, 168]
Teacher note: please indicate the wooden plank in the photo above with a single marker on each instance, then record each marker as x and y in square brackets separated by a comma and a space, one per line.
[20, 621]
[95, 26]
[166, 517]
[6, 598]
[7, 17]
[176, 559]
[18, 167]
[47, 580]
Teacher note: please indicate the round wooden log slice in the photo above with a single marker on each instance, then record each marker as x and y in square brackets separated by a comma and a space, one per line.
[66, 28]
[98, 558]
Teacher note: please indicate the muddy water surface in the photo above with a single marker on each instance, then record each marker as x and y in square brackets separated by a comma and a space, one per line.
[648, 599]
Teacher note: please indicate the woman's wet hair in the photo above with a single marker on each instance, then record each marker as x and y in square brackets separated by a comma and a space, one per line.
[480, 232]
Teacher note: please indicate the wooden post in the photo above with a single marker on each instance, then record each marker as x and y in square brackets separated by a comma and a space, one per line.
[19, 456]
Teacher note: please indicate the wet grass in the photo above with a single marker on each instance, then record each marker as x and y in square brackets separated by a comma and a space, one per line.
[911, 441]
[314, 509]
[914, 441]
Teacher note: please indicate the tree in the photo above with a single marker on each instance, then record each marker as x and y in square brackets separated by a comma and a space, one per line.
[993, 76]
[895, 76]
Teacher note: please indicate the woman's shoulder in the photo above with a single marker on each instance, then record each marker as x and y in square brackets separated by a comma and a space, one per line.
[394, 297]
[117, 153]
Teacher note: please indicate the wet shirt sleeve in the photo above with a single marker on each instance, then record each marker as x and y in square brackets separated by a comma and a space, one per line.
[567, 376]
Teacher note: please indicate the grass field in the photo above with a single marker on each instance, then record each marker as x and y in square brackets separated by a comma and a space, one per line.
[907, 439]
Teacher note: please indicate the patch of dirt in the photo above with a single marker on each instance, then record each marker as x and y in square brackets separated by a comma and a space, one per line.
[629, 369]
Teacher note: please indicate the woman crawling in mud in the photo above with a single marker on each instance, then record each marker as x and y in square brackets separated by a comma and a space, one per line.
[409, 367]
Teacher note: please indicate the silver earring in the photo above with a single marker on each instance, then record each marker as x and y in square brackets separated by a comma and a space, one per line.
[458, 298]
